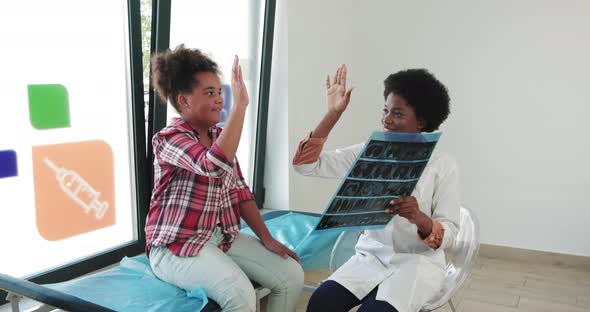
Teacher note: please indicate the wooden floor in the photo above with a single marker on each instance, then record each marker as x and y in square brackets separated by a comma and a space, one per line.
[498, 285]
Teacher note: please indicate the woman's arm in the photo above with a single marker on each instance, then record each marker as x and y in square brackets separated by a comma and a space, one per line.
[309, 159]
[440, 229]
[446, 203]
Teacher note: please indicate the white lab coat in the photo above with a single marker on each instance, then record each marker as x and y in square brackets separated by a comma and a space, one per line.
[409, 273]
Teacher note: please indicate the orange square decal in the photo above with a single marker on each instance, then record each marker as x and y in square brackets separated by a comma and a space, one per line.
[74, 188]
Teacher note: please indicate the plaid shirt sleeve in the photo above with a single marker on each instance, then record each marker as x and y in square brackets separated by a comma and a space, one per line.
[180, 150]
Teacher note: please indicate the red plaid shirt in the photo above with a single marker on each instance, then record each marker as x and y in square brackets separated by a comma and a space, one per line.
[194, 187]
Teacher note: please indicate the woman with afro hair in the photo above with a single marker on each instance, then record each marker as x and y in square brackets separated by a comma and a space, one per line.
[402, 266]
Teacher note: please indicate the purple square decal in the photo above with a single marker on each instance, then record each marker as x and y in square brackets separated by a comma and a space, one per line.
[8, 167]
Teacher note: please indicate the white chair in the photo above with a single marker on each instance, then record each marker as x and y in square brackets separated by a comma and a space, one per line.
[460, 257]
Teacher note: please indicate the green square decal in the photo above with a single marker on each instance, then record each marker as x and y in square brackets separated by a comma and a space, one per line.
[49, 107]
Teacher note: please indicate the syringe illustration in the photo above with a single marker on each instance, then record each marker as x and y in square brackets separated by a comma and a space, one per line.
[78, 190]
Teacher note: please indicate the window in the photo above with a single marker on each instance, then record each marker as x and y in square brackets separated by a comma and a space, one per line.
[69, 151]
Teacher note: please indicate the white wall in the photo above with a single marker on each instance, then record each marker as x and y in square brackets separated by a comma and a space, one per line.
[517, 72]
[318, 43]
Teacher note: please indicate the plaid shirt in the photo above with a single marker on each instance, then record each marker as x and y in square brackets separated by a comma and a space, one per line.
[194, 188]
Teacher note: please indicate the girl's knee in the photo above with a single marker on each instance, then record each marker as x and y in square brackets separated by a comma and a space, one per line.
[290, 278]
[238, 296]
[294, 275]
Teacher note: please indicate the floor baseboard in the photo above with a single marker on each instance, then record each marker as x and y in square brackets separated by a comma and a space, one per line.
[534, 256]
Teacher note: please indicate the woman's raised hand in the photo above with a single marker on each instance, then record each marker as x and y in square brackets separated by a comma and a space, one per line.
[338, 95]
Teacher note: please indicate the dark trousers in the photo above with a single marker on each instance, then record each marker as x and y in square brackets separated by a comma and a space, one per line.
[333, 297]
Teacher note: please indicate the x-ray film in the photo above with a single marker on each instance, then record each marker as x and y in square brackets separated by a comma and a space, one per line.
[388, 167]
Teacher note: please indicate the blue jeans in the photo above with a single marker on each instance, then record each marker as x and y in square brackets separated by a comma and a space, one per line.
[331, 296]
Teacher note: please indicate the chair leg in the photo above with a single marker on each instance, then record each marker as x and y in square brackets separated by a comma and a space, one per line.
[261, 292]
[15, 307]
[14, 300]
[452, 305]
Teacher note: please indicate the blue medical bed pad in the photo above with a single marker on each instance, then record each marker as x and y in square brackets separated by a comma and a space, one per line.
[132, 286]
[294, 230]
